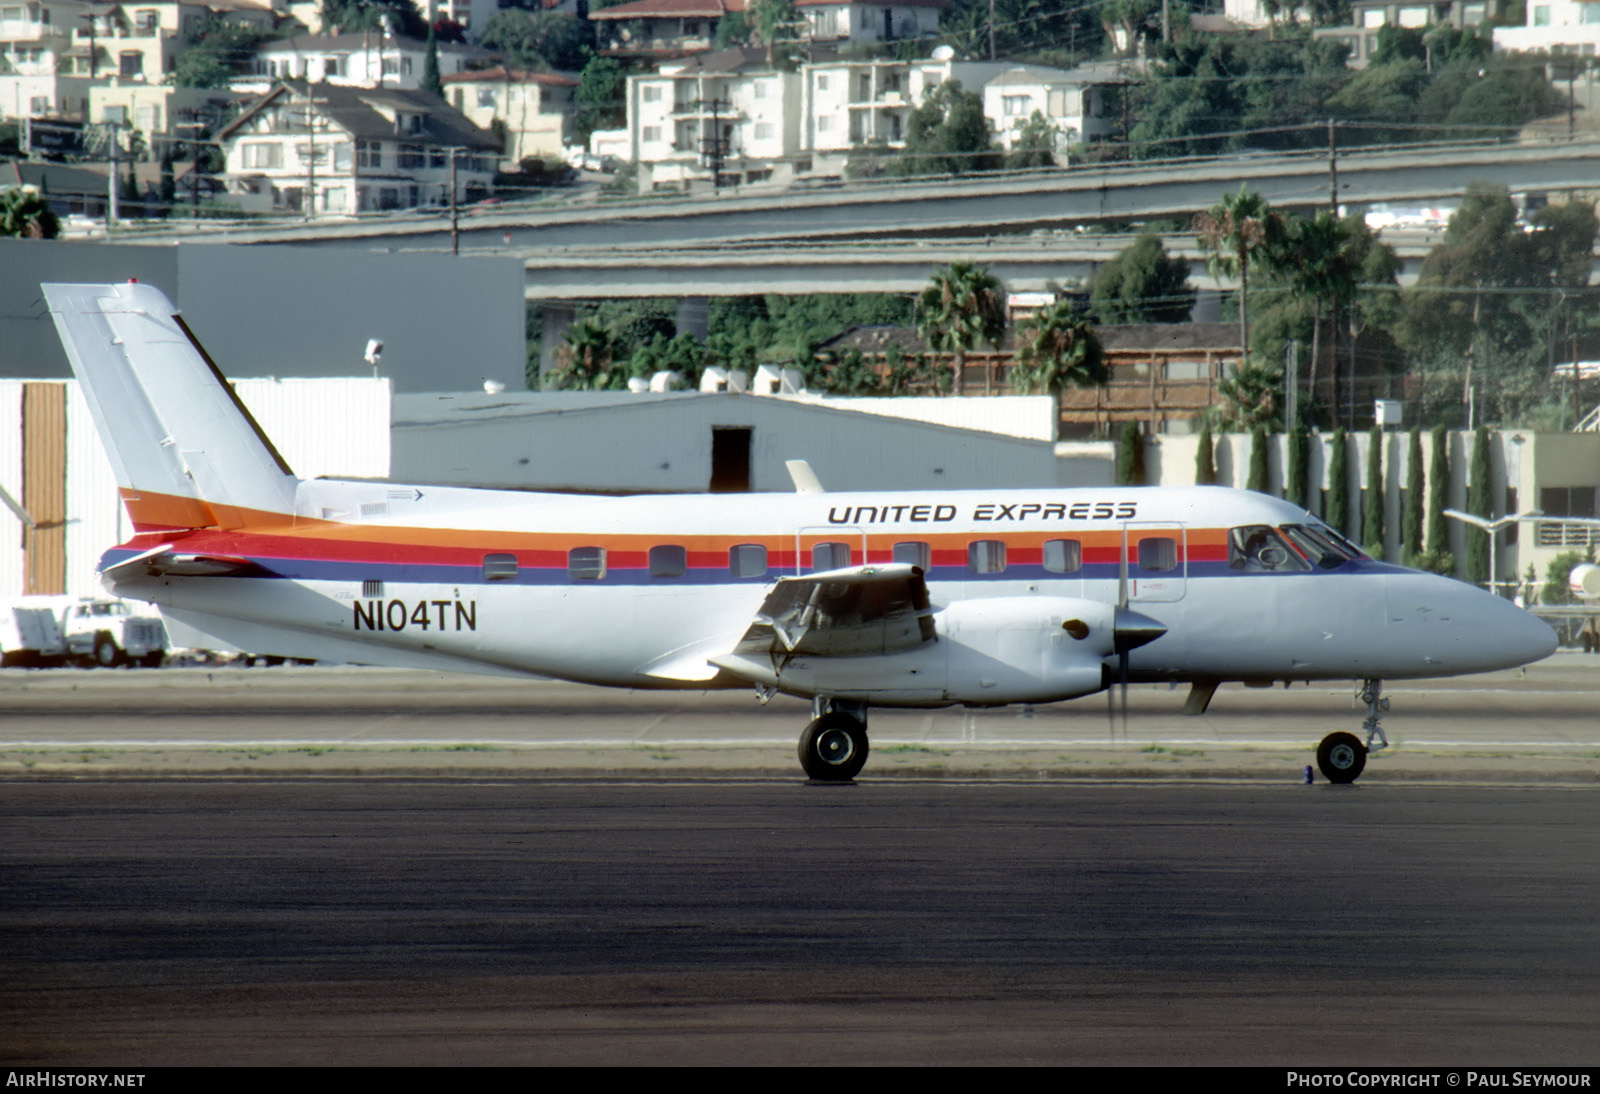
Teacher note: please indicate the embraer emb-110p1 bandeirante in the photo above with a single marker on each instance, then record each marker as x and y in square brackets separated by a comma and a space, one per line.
[853, 600]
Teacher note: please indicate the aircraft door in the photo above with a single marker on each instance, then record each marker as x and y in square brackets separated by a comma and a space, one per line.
[1157, 559]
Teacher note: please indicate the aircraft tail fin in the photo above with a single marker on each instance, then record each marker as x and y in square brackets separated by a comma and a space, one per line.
[187, 452]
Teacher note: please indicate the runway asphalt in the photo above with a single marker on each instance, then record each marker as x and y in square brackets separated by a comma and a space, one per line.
[332, 866]
[1540, 724]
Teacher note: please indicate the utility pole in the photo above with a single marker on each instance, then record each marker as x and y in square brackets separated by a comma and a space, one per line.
[311, 158]
[1333, 171]
[455, 232]
[713, 149]
[113, 210]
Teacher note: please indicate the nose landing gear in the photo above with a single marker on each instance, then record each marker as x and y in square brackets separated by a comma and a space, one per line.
[1342, 756]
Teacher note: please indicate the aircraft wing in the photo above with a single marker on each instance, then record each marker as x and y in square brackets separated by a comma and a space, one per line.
[853, 612]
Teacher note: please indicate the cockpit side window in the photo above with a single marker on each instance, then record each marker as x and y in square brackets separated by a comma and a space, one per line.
[1260, 549]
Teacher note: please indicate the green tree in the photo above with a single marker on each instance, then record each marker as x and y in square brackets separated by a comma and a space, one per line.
[214, 52]
[400, 16]
[1411, 520]
[539, 41]
[600, 100]
[1558, 574]
[1480, 502]
[26, 214]
[1239, 232]
[1338, 514]
[1130, 456]
[1486, 299]
[432, 82]
[947, 135]
[1256, 478]
[1058, 349]
[1298, 477]
[962, 305]
[1205, 458]
[1035, 145]
[774, 20]
[1438, 557]
[1372, 509]
[1142, 284]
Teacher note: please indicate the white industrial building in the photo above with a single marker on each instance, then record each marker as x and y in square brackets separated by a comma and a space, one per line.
[54, 469]
[689, 442]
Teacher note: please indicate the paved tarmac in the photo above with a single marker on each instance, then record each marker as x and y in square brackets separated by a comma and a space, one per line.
[386, 920]
[1540, 724]
[362, 866]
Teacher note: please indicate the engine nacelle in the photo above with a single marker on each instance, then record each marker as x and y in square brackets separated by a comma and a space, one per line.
[1025, 649]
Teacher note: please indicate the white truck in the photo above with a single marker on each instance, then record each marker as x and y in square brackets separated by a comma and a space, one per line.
[109, 632]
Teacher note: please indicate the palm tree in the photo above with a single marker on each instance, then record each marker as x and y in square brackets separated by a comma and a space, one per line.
[1240, 231]
[25, 212]
[962, 305]
[1321, 257]
[585, 357]
[1059, 350]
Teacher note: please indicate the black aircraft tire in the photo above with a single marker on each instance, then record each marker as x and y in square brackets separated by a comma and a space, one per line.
[833, 748]
[1342, 757]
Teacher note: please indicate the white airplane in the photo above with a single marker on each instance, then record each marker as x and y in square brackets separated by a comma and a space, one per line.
[853, 600]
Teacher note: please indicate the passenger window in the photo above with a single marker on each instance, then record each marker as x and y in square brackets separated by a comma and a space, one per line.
[586, 563]
[499, 567]
[915, 553]
[1063, 556]
[1260, 549]
[986, 556]
[668, 560]
[1158, 553]
[747, 560]
[830, 556]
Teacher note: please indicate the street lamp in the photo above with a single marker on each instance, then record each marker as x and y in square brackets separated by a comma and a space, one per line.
[1493, 528]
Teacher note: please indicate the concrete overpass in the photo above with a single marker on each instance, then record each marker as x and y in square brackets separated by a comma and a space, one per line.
[1024, 263]
[964, 207]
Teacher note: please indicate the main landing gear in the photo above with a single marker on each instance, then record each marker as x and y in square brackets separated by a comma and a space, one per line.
[1342, 756]
[833, 747]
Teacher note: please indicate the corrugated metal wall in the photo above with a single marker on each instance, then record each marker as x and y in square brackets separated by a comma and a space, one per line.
[44, 486]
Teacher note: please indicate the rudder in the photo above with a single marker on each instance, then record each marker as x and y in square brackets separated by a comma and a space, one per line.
[187, 452]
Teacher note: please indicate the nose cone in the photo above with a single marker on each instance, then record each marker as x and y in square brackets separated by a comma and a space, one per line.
[1452, 627]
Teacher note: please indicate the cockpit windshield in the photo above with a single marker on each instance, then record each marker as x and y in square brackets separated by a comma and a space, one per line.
[1322, 545]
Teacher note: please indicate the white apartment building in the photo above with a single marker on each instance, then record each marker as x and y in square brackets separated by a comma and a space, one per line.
[39, 74]
[1555, 26]
[1073, 102]
[533, 108]
[841, 20]
[811, 123]
[1368, 17]
[726, 106]
[354, 59]
[327, 149]
[53, 51]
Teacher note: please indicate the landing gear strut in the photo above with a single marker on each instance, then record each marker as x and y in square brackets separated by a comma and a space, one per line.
[1342, 756]
[833, 747]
